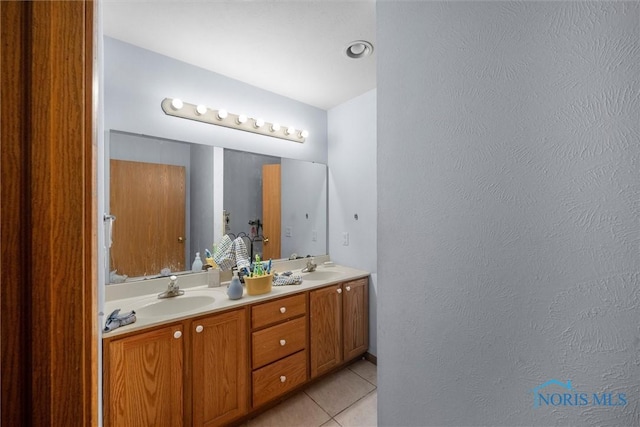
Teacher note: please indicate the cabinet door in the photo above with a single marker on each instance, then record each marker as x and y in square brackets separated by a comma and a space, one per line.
[144, 379]
[355, 318]
[326, 329]
[220, 368]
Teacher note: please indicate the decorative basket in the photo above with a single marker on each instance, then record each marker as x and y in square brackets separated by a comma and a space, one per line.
[258, 285]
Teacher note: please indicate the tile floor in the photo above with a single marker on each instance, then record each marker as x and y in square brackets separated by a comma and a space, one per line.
[347, 398]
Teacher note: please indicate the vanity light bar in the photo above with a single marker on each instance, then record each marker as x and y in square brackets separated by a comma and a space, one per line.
[177, 108]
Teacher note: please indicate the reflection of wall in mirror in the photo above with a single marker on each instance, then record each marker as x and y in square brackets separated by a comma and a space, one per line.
[304, 208]
[243, 190]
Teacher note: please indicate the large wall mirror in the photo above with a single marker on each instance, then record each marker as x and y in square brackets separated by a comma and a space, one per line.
[172, 199]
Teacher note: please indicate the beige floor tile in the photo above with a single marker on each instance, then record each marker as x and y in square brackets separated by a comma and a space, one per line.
[363, 413]
[330, 423]
[339, 390]
[366, 370]
[299, 410]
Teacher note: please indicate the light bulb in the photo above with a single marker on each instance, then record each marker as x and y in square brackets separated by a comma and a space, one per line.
[241, 119]
[201, 110]
[304, 134]
[258, 123]
[275, 127]
[222, 114]
[290, 130]
[176, 104]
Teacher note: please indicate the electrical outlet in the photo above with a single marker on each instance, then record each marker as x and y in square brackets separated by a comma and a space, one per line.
[287, 232]
[314, 235]
[345, 239]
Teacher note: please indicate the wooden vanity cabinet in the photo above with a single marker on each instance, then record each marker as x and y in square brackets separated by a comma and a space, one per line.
[339, 324]
[143, 378]
[219, 373]
[278, 347]
[355, 318]
[213, 370]
[193, 372]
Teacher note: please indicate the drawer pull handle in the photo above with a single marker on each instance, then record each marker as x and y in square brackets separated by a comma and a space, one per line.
[339, 290]
[348, 288]
[199, 328]
[177, 334]
[283, 378]
[282, 342]
[283, 310]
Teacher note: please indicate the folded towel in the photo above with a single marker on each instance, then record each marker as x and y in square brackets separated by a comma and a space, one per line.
[282, 280]
[224, 256]
[231, 253]
[242, 257]
[115, 320]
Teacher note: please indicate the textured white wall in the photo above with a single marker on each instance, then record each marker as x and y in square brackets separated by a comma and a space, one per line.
[509, 206]
[352, 190]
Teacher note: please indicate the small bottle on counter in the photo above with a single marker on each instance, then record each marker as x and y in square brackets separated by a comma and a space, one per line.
[235, 289]
[196, 267]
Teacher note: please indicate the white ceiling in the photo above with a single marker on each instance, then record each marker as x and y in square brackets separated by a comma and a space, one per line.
[294, 48]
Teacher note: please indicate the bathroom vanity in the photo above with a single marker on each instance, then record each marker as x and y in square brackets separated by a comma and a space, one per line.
[231, 359]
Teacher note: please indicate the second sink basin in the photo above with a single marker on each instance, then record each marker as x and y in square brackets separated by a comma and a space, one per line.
[321, 275]
[175, 305]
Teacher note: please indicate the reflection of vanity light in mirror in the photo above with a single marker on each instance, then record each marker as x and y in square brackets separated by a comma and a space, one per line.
[177, 108]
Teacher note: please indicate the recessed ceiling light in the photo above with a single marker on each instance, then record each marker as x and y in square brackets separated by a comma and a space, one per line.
[358, 49]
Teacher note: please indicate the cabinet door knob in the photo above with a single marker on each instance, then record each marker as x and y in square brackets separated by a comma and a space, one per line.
[348, 288]
[283, 342]
[283, 378]
[283, 310]
[199, 328]
[339, 290]
[177, 334]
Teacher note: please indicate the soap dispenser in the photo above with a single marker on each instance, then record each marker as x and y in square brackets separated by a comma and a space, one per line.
[196, 267]
[235, 289]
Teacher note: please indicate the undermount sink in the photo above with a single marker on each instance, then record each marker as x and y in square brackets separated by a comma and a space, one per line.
[175, 305]
[321, 275]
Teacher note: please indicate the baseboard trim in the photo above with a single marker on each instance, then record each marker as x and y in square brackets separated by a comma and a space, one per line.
[371, 358]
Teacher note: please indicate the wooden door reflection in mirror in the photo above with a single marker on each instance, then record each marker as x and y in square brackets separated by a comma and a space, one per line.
[148, 202]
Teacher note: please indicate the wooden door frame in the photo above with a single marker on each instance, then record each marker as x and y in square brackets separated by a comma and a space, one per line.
[48, 219]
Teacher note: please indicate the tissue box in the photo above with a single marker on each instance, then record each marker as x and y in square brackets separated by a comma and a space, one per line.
[258, 285]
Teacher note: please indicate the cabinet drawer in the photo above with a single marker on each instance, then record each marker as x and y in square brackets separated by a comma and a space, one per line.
[278, 341]
[276, 311]
[279, 377]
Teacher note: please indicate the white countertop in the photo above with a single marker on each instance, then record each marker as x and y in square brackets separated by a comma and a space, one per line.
[222, 302]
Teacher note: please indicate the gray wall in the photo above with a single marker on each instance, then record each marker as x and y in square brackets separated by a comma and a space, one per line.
[137, 80]
[304, 208]
[352, 190]
[508, 203]
[243, 191]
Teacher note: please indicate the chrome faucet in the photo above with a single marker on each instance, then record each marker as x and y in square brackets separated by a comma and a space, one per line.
[311, 266]
[173, 290]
